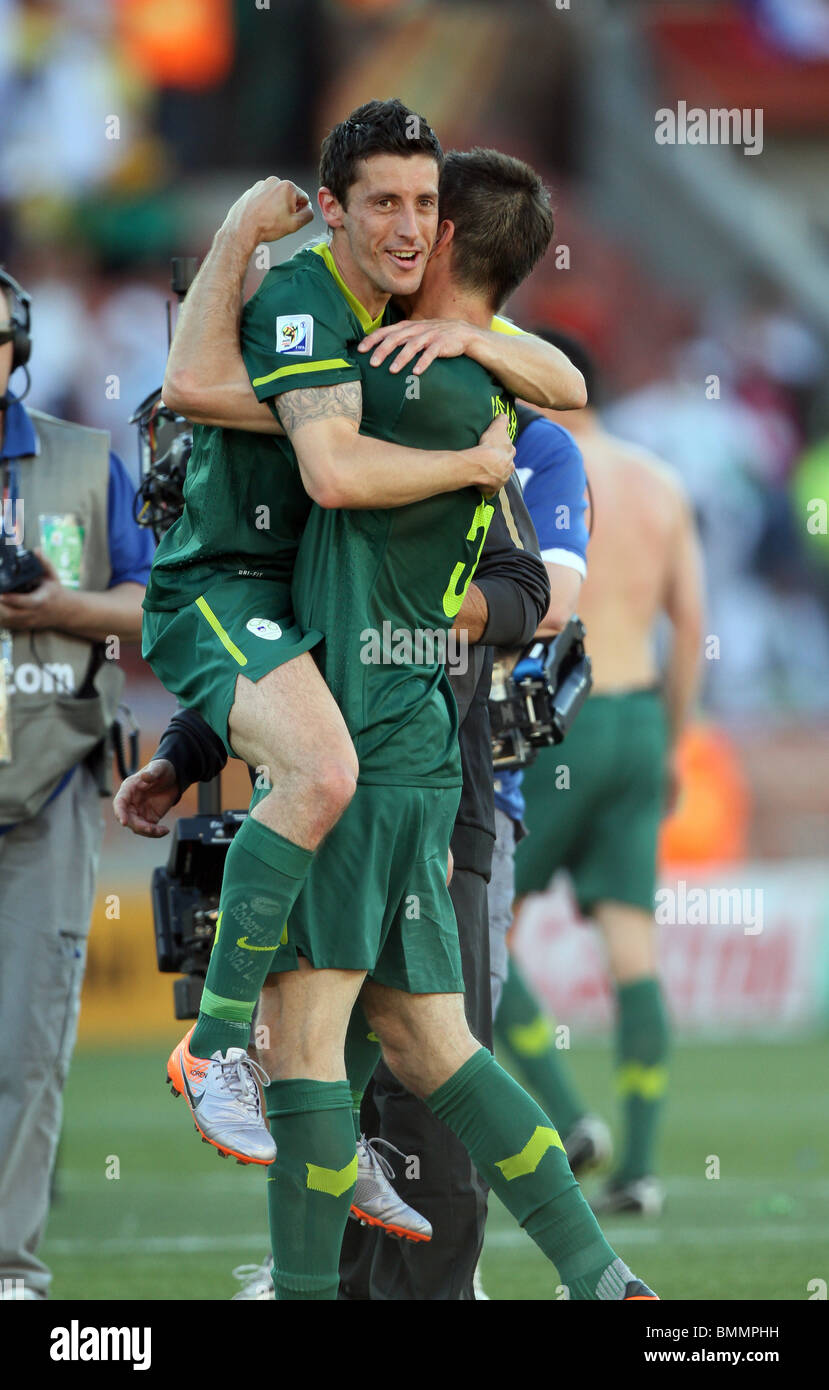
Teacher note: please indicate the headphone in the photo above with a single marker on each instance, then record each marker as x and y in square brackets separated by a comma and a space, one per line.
[21, 321]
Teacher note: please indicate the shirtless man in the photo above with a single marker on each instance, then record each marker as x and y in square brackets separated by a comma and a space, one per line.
[643, 563]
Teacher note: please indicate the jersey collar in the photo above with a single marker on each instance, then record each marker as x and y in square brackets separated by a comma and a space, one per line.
[367, 323]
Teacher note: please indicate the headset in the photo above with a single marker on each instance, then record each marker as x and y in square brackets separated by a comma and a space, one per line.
[20, 318]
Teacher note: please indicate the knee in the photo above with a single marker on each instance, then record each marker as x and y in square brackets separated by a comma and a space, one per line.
[400, 1064]
[320, 788]
[397, 1046]
[331, 783]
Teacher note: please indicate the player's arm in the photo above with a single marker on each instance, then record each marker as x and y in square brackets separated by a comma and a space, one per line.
[684, 602]
[527, 366]
[342, 468]
[565, 587]
[206, 380]
[189, 752]
[92, 615]
[555, 487]
[473, 616]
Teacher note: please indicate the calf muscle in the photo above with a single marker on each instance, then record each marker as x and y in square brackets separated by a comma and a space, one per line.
[302, 1021]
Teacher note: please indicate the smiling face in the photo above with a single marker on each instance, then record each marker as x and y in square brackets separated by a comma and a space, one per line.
[383, 236]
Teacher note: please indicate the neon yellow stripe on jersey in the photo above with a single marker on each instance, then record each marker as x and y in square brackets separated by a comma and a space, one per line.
[500, 325]
[226, 642]
[367, 323]
[330, 365]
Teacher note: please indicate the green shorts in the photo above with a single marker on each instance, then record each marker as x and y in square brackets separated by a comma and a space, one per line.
[604, 827]
[376, 898]
[237, 626]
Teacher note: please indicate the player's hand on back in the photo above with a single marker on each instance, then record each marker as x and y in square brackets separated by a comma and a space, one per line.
[492, 460]
[144, 798]
[271, 209]
[430, 337]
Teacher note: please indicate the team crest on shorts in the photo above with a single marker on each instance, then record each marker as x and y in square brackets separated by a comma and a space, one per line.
[295, 335]
[264, 627]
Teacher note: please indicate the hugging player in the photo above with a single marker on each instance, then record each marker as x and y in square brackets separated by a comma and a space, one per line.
[356, 566]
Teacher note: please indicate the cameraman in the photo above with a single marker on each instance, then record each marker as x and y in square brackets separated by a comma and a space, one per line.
[73, 565]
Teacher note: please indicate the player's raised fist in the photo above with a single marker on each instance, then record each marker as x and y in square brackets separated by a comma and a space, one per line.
[271, 209]
[493, 458]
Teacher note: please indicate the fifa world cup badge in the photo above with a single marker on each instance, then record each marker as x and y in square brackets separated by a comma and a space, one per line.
[295, 335]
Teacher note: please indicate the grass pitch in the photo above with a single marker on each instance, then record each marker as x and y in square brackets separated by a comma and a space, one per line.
[177, 1218]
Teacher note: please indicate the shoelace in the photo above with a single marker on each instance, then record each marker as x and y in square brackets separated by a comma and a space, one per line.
[238, 1077]
[380, 1159]
[247, 1273]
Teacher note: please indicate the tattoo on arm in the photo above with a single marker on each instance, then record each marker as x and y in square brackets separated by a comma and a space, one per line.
[297, 408]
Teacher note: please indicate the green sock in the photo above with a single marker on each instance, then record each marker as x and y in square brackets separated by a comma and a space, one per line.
[310, 1184]
[642, 1037]
[262, 878]
[524, 1032]
[518, 1152]
[362, 1053]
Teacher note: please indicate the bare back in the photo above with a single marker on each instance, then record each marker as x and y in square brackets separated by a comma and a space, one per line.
[639, 513]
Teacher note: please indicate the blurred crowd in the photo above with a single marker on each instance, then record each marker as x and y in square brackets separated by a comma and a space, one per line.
[119, 116]
[735, 413]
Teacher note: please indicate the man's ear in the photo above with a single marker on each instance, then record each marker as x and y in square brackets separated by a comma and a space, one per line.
[6, 355]
[443, 240]
[330, 207]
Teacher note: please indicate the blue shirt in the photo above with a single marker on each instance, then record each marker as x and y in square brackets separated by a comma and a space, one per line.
[551, 469]
[130, 545]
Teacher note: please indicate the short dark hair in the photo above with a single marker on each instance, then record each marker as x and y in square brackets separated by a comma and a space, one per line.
[503, 220]
[580, 356]
[377, 127]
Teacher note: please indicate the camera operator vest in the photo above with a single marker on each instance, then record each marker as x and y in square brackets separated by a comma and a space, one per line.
[63, 694]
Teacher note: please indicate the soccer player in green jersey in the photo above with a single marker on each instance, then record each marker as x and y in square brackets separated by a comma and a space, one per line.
[219, 629]
[375, 903]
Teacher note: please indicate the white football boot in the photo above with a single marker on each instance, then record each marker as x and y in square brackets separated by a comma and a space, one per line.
[224, 1100]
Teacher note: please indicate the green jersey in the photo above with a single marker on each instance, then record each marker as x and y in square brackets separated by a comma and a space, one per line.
[385, 585]
[244, 503]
